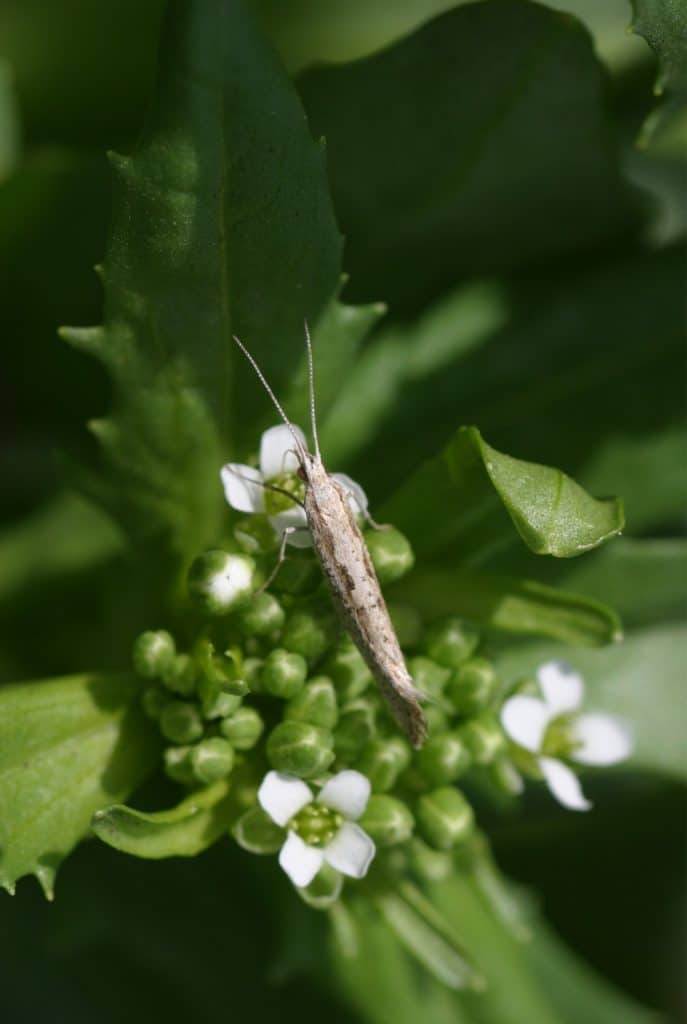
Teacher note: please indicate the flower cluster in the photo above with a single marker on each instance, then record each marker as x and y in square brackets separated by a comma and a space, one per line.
[268, 676]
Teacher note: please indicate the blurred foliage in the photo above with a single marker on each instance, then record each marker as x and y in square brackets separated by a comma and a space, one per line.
[567, 350]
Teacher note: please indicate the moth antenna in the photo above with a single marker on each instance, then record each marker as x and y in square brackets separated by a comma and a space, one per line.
[270, 392]
[311, 386]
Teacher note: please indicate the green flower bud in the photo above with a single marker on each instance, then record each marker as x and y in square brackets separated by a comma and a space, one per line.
[153, 653]
[251, 672]
[180, 676]
[450, 642]
[215, 701]
[298, 575]
[309, 633]
[391, 553]
[178, 765]
[407, 622]
[218, 581]
[212, 759]
[483, 738]
[387, 820]
[300, 748]
[221, 671]
[256, 832]
[443, 758]
[180, 722]
[383, 761]
[437, 719]
[357, 726]
[324, 890]
[506, 776]
[262, 616]
[346, 667]
[431, 865]
[444, 817]
[255, 535]
[283, 673]
[153, 700]
[428, 676]
[243, 729]
[316, 703]
[472, 687]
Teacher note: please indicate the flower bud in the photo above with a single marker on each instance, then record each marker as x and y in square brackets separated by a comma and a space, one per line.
[428, 676]
[262, 615]
[324, 890]
[431, 865]
[309, 633]
[436, 718]
[178, 765]
[407, 623]
[483, 738]
[506, 776]
[251, 673]
[316, 703]
[153, 700]
[218, 581]
[387, 820]
[153, 653]
[383, 761]
[283, 673]
[243, 729]
[472, 687]
[391, 553]
[256, 832]
[444, 817]
[443, 758]
[255, 535]
[215, 701]
[346, 667]
[221, 671]
[299, 748]
[180, 722]
[357, 726]
[452, 641]
[180, 676]
[212, 759]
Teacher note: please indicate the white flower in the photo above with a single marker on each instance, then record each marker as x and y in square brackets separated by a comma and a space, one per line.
[244, 491]
[319, 829]
[590, 739]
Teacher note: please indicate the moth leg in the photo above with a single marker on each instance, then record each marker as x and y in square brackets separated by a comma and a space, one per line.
[288, 530]
[368, 518]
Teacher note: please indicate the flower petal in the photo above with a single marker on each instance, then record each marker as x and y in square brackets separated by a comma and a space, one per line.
[283, 795]
[293, 517]
[603, 739]
[278, 450]
[350, 851]
[347, 792]
[561, 686]
[564, 784]
[525, 719]
[300, 861]
[357, 498]
[242, 487]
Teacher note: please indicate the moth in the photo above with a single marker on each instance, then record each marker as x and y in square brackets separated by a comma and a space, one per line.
[342, 553]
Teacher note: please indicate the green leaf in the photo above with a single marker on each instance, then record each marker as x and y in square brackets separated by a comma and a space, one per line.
[223, 225]
[451, 501]
[512, 605]
[66, 535]
[9, 122]
[663, 23]
[183, 831]
[643, 580]
[419, 136]
[68, 746]
[640, 680]
[547, 384]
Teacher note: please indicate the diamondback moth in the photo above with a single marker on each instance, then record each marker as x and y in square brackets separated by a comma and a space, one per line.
[342, 553]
